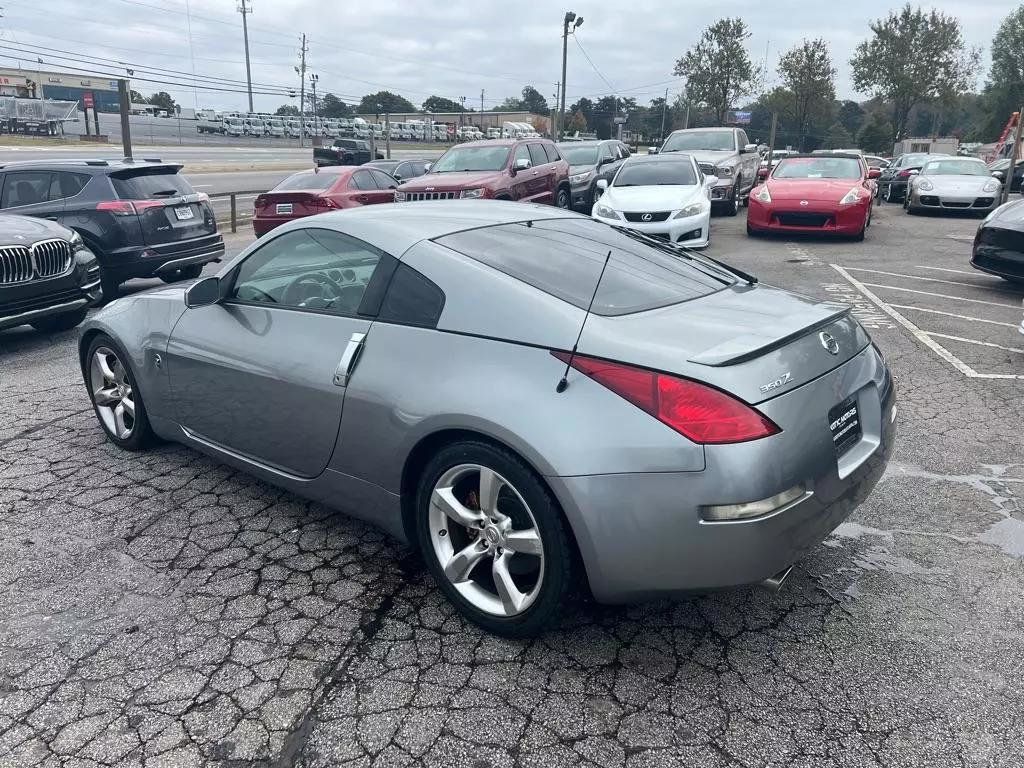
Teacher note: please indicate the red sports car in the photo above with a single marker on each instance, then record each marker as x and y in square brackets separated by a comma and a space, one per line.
[317, 191]
[817, 194]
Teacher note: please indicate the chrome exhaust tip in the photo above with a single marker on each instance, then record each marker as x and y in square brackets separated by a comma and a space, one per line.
[774, 583]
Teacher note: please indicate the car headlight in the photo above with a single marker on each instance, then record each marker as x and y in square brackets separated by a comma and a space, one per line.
[690, 210]
[605, 212]
[762, 194]
[990, 186]
[925, 186]
[724, 171]
[851, 197]
[579, 178]
[399, 196]
[76, 241]
[469, 194]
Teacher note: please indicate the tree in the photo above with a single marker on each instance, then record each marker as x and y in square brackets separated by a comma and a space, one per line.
[913, 57]
[851, 115]
[585, 107]
[162, 100]
[718, 69]
[511, 104]
[534, 102]
[837, 137]
[332, 106]
[807, 73]
[137, 98]
[875, 137]
[578, 122]
[441, 104]
[287, 110]
[1004, 89]
[384, 101]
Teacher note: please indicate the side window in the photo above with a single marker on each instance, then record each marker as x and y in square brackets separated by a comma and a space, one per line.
[383, 180]
[67, 184]
[552, 152]
[25, 188]
[741, 137]
[362, 180]
[521, 153]
[624, 151]
[317, 269]
[412, 299]
[537, 154]
[607, 153]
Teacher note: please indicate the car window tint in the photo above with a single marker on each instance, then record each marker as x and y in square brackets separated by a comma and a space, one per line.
[307, 180]
[362, 180]
[551, 152]
[150, 184]
[67, 184]
[412, 299]
[311, 268]
[522, 153]
[623, 151]
[743, 140]
[383, 180]
[537, 155]
[607, 153]
[564, 257]
[26, 188]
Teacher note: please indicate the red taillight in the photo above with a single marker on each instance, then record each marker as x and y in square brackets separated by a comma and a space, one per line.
[324, 202]
[261, 201]
[128, 207]
[701, 413]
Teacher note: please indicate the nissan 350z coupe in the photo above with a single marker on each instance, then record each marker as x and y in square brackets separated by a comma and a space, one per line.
[434, 369]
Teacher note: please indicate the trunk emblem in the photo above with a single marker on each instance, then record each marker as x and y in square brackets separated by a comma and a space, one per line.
[803, 202]
[828, 341]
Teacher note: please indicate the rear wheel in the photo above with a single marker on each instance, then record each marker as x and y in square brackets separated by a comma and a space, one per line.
[733, 207]
[493, 538]
[889, 197]
[62, 322]
[115, 396]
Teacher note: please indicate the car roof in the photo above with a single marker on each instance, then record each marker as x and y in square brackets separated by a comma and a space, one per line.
[822, 153]
[722, 128]
[587, 143]
[495, 142]
[93, 165]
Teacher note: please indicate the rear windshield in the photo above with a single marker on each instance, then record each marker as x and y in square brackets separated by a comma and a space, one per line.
[655, 174]
[564, 257]
[955, 167]
[585, 155]
[308, 180]
[818, 168]
[147, 185]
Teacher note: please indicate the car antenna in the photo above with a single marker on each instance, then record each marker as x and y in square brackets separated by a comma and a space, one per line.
[563, 383]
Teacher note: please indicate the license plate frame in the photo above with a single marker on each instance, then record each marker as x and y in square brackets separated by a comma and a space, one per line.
[284, 209]
[845, 425]
[184, 213]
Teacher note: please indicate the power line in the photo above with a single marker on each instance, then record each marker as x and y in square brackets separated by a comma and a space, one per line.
[591, 62]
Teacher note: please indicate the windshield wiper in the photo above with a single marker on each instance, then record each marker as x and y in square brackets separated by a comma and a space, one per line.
[680, 252]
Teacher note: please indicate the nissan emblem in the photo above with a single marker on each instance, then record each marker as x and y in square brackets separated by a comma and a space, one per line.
[828, 341]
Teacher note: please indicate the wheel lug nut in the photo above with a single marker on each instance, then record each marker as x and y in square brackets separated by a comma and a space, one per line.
[442, 533]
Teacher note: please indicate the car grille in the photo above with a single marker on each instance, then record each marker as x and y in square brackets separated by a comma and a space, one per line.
[52, 257]
[47, 258]
[929, 200]
[15, 265]
[412, 196]
[803, 219]
[647, 217]
[983, 202]
[950, 204]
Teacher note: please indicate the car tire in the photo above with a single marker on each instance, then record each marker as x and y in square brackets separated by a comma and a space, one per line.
[888, 194]
[109, 388]
[751, 232]
[563, 198]
[185, 273]
[733, 206]
[475, 556]
[65, 321]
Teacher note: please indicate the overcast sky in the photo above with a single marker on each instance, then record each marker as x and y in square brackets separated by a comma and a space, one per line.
[452, 48]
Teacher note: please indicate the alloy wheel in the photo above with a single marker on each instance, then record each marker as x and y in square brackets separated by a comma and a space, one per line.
[112, 392]
[562, 201]
[486, 540]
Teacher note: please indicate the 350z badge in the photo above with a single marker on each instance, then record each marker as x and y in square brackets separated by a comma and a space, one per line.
[782, 381]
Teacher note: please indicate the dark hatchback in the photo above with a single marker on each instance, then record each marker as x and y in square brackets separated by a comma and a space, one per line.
[141, 218]
[999, 243]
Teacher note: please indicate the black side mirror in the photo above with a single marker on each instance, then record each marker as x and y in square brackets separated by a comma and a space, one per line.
[203, 292]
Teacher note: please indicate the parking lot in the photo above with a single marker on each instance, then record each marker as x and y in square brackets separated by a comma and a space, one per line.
[163, 609]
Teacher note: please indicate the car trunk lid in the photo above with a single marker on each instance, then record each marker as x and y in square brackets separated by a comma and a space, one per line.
[168, 208]
[290, 204]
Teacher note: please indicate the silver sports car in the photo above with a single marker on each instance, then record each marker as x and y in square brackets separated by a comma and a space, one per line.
[953, 183]
[525, 395]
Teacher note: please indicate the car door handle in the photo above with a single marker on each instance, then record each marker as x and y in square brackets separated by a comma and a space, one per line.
[349, 359]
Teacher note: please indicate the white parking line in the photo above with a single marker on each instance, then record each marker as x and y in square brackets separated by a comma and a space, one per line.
[953, 314]
[920, 335]
[973, 341]
[940, 295]
[933, 280]
[943, 269]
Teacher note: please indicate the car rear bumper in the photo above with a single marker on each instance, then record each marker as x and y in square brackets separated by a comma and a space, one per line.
[153, 260]
[642, 536]
[263, 224]
[813, 218]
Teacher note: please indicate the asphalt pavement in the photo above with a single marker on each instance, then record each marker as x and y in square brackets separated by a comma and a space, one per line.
[163, 609]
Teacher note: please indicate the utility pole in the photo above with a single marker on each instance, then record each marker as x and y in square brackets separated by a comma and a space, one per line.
[664, 110]
[1005, 195]
[123, 94]
[569, 18]
[771, 140]
[316, 117]
[245, 10]
[481, 108]
[387, 133]
[554, 112]
[301, 71]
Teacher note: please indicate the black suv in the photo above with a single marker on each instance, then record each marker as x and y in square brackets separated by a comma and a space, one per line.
[141, 218]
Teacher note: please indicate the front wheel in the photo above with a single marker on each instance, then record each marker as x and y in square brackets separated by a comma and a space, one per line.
[62, 322]
[115, 396]
[734, 204]
[563, 199]
[493, 538]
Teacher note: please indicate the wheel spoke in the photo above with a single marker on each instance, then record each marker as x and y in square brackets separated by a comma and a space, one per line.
[526, 542]
[490, 486]
[463, 561]
[129, 406]
[511, 598]
[107, 396]
[105, 369]
[444, 499]
[122, 429]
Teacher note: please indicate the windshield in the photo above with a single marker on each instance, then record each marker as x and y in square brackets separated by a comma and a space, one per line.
[472, 159]
[955, 168]
[307, 180]
[817, 168]
[648, 174]
[579, 155]
[721, 141]
[913, 160]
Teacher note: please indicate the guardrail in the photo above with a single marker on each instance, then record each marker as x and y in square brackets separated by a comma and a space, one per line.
[234, 202]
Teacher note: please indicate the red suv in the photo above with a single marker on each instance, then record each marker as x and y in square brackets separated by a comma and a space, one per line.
[530, 170]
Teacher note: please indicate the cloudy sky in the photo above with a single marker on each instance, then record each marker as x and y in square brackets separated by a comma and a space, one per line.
[452, 48]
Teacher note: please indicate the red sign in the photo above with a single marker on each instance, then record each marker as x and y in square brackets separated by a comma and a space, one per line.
[87, 100]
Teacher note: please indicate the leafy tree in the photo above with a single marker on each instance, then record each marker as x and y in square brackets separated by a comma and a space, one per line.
[287, 110]
[578, 122]
[837, 137]
[441, 104]
[162, 100]
[384, 101]
[718, 69]
[511, 104]
[332, 106]
[808, 75]
[136, 98]
[1004, 89]
[534, 102]
[851, 115]
[585, 107]
[875, 136]
[912, 57]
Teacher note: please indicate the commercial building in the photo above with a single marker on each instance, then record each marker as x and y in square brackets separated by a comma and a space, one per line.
[35, 84]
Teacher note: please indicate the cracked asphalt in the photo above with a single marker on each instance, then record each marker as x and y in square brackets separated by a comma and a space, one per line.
[164, 610]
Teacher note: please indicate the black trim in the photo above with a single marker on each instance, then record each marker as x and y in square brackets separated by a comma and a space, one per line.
[377, 288]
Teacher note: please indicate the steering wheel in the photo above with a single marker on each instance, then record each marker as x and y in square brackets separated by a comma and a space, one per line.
[309, 287]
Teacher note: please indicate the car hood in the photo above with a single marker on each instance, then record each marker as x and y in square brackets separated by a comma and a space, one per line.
[458, 180]
[662, 198]
[716, 157]
[826, 190]
[958, 185]
[25, 230]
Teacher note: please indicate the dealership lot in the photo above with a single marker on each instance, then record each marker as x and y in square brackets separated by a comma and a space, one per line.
[163, 609]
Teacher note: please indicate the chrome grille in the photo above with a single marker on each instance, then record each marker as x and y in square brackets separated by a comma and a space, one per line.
[51, 257]
[15, 265]
[432, 195]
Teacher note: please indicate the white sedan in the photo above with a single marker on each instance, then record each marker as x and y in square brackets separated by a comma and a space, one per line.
[665, 196]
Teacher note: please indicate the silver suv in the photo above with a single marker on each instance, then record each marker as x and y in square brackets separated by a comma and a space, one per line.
[725, 153]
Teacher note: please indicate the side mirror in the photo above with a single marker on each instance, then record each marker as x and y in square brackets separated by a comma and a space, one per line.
[521, 164]
[913, 172]
[999, 175]
[874, 173]
[762, 173]
[602, 184]
[710, 181]
[203, 293]
[749, 148]
[426, 167]
[652, 150]
[398, 177]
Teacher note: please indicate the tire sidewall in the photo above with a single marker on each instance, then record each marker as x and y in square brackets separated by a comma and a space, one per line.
[141, 435]
[563, 194]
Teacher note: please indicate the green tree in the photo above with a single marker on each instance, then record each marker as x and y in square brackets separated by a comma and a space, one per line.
[441, 104]
[913, 57]
[534, 102]
[136, 98]
[585, 107]
[808, 75]
[287, 110]
[837, 137]
[578, 122]
[1004, 89]
[162, 100]
[851, 115]
[718, 69]
[384, 101]
[875, 136]
[511, 104]
[332, 106]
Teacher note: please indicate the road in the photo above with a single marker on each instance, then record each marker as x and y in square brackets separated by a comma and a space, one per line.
[161, 608]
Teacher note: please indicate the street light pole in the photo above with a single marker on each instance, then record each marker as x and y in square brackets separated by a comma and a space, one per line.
[570, 18]
[245, 10]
